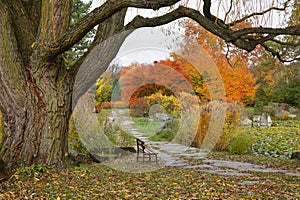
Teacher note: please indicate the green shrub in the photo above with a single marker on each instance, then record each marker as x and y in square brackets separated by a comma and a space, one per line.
[240, 144]
[258, 107]
[248, 111]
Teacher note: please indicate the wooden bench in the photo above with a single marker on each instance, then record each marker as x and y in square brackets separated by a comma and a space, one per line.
[146, 153]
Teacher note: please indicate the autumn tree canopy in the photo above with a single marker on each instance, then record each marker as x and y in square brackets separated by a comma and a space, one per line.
[39, 87]
[232, 63]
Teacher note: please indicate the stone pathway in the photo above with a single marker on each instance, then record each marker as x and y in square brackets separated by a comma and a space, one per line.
[176, 155]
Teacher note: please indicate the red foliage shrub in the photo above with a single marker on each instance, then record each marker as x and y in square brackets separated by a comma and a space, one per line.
[138, 107]
[106, 105]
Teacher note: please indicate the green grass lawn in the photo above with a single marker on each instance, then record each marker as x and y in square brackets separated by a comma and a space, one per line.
[95, 181]
[143, 125]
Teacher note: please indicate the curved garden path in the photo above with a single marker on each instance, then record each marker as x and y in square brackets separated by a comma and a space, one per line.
[177, 155]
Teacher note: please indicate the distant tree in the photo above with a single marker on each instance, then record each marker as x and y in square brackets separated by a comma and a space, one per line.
[279, 82]
[79, 10]
[190, 73]
[104, 88]
[287, 86]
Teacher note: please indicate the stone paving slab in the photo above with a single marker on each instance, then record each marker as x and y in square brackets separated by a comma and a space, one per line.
[193, 155]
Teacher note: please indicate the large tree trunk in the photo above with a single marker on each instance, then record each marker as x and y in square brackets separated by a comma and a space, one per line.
[36, 107]
[35, 97]
[36, 126]
[36, 87]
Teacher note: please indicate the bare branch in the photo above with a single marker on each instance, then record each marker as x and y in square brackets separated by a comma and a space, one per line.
[277, 54]
[258, 14]
[229, 10]
[207, 13]
[266, 38]
[227, 55]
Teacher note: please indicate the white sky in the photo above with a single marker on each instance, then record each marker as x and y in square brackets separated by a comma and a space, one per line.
[145, 45]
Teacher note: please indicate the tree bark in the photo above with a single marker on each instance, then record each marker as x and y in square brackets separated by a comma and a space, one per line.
[36, 94]
[36, 126]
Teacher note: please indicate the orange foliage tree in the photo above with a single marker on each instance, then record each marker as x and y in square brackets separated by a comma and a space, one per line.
[142, 80]
[190, 73]
[240, 83]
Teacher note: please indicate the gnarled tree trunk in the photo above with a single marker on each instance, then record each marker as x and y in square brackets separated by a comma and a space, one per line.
[36, 86]
[36, 118]
[36, 93]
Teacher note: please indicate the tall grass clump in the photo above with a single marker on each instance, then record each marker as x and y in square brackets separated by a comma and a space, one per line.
[219, 122]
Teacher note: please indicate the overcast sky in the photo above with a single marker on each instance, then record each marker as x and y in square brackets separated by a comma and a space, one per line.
[150, 44]
[146, 45]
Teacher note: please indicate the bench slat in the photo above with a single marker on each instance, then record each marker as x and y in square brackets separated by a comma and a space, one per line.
[147, 152]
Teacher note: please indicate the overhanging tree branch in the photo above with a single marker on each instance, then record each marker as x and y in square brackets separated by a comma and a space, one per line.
[178, 13]
[98, 16]
[109, 38]
[207, 13]
[291, 30]
[247, 38]
[242, 38]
